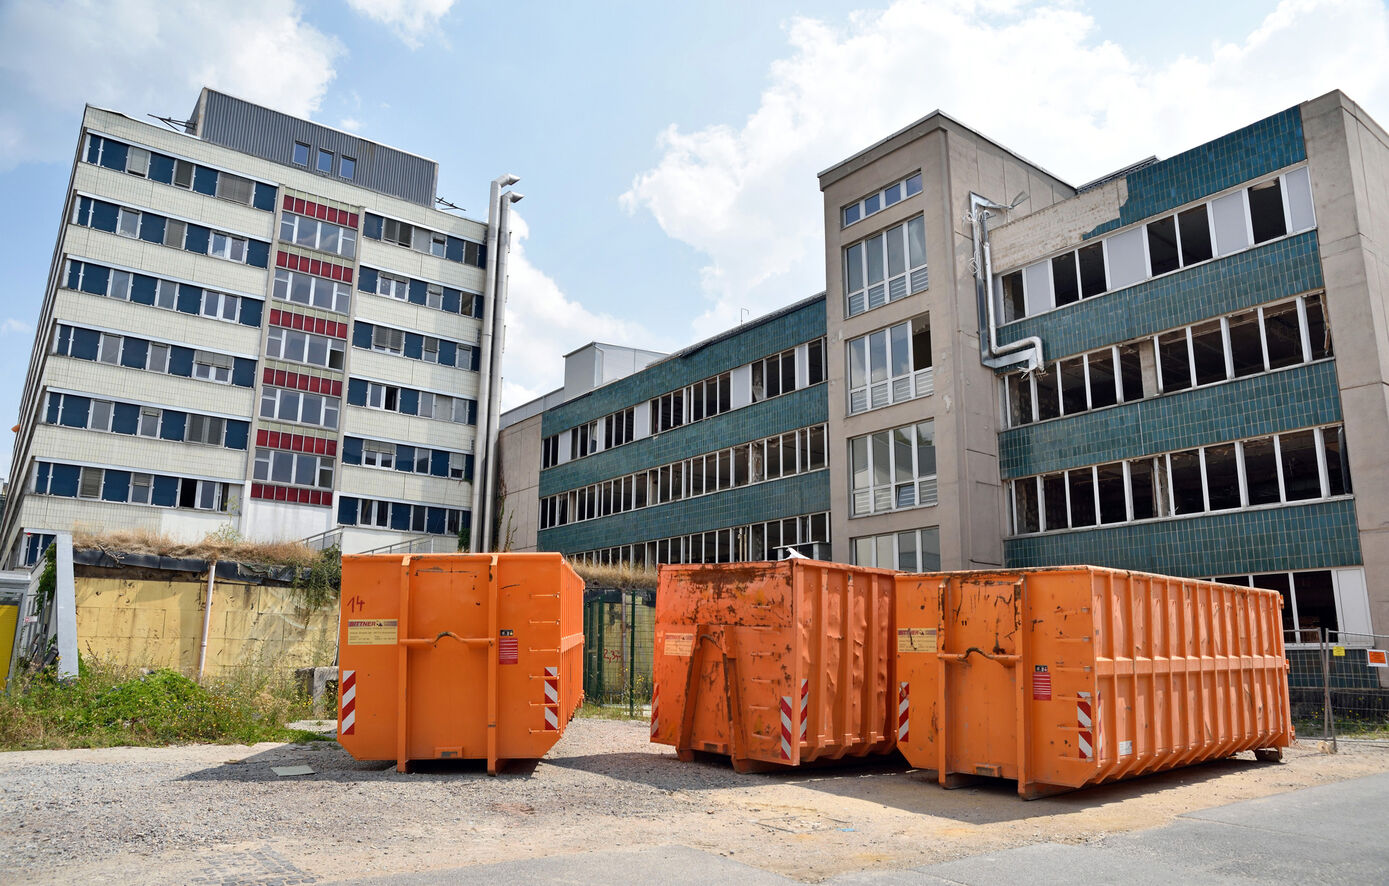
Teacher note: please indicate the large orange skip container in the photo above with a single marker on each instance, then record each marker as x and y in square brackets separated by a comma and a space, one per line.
[1066, 677]
[456, 656]
[774, 664]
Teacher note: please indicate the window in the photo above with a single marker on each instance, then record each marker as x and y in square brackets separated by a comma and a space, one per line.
[227, 246]
[378, 455]
[293, 468]
[381, 396]
[304, 347]
[885, 267]
[891, 470]
[140, 485]
[235, 188]
[917, 550]
[306, 289]
[212, 367]
[204, 429]
[890, 365]
[89, 483]
[137, 161]
[149, 422]
[876, 202]
[157, 357]
[100, 418]
[312, 233]
[391, 341]
[549, 452]
[128, 222]
[183, 175]
[299, 406]
[1076, 384]
[219, 305]
[397, 232]
[347, 167]
[325, 161]
[109, 350]
[175, 233]
[301, 154]
[1245, 343]
[395, 287]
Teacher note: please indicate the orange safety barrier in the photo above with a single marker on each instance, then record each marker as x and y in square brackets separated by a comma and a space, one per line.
[457, 656]
[1073, 676]
[774, 664]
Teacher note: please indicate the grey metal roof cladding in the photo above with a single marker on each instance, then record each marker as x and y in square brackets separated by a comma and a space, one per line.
[252, 129]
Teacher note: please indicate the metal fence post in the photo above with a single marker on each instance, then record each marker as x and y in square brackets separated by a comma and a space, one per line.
[632, 659]
[1328, 719]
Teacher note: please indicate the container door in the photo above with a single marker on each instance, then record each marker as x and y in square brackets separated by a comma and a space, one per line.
[979, 657]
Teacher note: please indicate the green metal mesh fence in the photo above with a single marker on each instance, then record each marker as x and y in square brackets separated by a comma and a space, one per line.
[619, 633]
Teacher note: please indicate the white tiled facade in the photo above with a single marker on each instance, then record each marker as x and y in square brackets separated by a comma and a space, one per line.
[172, 445]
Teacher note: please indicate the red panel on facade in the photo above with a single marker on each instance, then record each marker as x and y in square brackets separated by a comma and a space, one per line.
[321, 211]
[352, 219]
[299, 205]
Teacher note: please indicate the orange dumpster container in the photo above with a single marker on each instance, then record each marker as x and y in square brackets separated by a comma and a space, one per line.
[1073, 676]
[458, 656]
[774, 664]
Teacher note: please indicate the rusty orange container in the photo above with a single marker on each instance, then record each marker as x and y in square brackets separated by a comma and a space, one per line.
[774, 664]
[1073, 676]
[458, 656]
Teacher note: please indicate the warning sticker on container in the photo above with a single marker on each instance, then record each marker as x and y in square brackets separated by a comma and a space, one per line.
[371, 631]
[916, 639]
[508, 648]
[1377, 658]
[679, 644]
[1125, 748]
[1041, 683]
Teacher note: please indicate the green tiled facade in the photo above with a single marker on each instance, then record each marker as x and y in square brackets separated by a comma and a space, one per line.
[773, 500]
[1263, 404]
[1311, 536]
[1257, 276]
[1258, 149]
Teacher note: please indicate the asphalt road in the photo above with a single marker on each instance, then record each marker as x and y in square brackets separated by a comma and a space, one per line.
[1332, 833]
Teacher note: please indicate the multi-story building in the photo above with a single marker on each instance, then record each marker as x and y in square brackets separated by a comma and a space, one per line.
[714, 454]
[259, 322]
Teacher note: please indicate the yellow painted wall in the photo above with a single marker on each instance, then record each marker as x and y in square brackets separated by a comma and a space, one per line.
[153, 623]
[9, 615]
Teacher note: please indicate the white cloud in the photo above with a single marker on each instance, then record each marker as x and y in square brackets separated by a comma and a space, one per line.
[410, 19]
[13, 324]
[1038, 77]
[144, 56]
[351, 124]
[543, 324]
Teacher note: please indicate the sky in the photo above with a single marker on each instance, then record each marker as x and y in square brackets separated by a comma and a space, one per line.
[667, 152]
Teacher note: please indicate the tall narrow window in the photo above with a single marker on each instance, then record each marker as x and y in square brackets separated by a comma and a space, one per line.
[1195, 229]
[301, 154]
[1162, 246]
[325, 160]
[1266, 211]
[347, 167]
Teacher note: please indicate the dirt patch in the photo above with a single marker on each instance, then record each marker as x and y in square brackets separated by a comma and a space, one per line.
[174, 815]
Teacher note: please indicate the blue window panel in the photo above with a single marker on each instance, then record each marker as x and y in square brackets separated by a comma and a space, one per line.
[453, 301]
[55, 405]
[257, 253]
[453, 249]
[152, 228]
[172, 426]
[190, 298]
[94, 147]
[356, 392]
[351, 450]
[265, 197]
[113, 155]
[94, 279]
[371, 226]
[195, 239]
[85, 343]
[134, 352]
[164, 491]
[143, 289]
[448, 353]
[405, 458]
[361, 335]
[367, 279]
[243, 372]
[62, 340]
[418, 292]
[439, 463]
[115, 486]
[472, 411]
[251, 311]
[104, 216]
[236, 434]
[409, 401]
[468, 468]
[41, 474]
[475, 359]
[476, 255]
[347, 511]
[436, 521]
[414, 345]
[181, 361]
[465, 520]
[161, 168]
[74, 414]
[84, 208]
[64, 480]
[125, 418]
[478, 306]
[205, 180]
[400, 516]
[74, 274]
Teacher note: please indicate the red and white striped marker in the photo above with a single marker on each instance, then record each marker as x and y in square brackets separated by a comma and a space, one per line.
[348, 706]
[805, 707]
[1085, 720]
[551, 699]
[786, 727]
[903, 711]
[655, 710]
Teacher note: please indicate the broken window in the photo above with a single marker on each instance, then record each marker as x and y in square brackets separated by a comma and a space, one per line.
[1187, 494]
[1131, 372]
[1195, 229]
[1019, 399]
[1081, 485]
[1092, 275]
[1025, 506]
[1208, 352]
[1142, 490]
[1054, 500]
[1337, 465]
[1316, 604]
[1064, 282]
[1283, 334]
[1318, 332]
[1282, 583]
[1014, 306]
[1048, 396]
[1246, 348]
[1113, 505]
[1174, 361]
[1072, 373]
[1101, 369]
[1301, 475]
[1222, 477]
[1162, 246]
[1266, 211]
[1260, 471]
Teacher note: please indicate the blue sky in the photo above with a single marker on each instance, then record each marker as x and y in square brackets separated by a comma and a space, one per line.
[667, 151]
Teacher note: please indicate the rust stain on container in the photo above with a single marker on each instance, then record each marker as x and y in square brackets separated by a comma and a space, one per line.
[1066, 677]
[448, 656]
[774, 664]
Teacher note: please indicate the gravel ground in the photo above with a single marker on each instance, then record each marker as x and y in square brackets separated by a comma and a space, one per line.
[218, 814]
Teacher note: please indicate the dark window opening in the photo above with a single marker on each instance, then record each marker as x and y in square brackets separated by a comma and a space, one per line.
[1131, 372]
[1222, 477]
[1063, 279]
[1072, 373]
[1284, 335]
[1260, 471]
[1025, 505]
[921, 345]
[1174, 361]
[187, 493]
[1316, 604]
[1246, 348]
[1301, 477]
[1337, 465]
[1113, 508]
[1187, 497]
[1196, 235]
[1162, 246]
[1048, 397]
[1102, 392]
[1082, 488]
[1054, 498]
[1142, 489]
[1019, 400]
[1318, 332]
[1279, 581]
[1266, 211]
[1092, 277]
[1208, 348]
[1014, 306]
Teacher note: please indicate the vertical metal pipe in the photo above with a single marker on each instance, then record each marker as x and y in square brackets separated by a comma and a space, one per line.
[207, 617]
[494, 399]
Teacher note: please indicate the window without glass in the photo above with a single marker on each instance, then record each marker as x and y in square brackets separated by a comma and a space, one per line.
[1174, 361]
[1194, 225]
[1014, 304]
[1301, 474]
[1266, 211]
[1208, 352]
[1081, 485]
[1143, 489]
[1162, 246]
[1054, 501]
[1188, 494]
[1113, 502]
[1093, 280]
[1026, 510]
[1065, 282]
[1072, 375]
[1222, 477]
[1246, 344]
